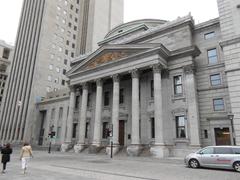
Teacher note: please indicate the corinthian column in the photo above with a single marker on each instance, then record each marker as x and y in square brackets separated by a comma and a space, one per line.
[115, 109]
[98, 114]
[83, 116]
[67, 144]
[193, 113]
[135, 148]
[115, 116]
[158, 149]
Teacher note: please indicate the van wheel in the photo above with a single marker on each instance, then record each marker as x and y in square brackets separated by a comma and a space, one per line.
[193, 163]
[236, 166]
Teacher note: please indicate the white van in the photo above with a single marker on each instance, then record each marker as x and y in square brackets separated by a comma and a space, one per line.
[227, 157]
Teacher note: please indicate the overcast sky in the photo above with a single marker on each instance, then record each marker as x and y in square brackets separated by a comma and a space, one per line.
[201, 10]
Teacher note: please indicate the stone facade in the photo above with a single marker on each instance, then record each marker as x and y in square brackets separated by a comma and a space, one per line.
[161, 87]
[6, 55]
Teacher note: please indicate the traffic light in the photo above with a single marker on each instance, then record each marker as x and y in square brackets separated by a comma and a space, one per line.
[51, 134]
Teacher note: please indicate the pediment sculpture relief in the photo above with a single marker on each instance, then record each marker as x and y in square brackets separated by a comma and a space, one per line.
[107, 57]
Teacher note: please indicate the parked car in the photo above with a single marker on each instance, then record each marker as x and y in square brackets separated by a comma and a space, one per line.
[226, 157]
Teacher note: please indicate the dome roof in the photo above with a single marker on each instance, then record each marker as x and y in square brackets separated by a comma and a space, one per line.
[149, 23]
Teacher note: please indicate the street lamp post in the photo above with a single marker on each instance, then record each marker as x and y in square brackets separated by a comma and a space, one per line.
[230, 116]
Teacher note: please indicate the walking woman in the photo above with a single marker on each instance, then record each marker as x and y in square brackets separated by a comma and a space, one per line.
[6, 151]
[26, 154]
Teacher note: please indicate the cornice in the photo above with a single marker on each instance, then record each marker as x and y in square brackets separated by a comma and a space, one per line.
[206, 24]
[231, 41]
[53, 100]
[186, 51]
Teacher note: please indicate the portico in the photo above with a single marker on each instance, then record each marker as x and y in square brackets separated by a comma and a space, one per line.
[123, 64]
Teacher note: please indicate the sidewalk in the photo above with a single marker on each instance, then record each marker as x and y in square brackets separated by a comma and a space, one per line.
[72, 166]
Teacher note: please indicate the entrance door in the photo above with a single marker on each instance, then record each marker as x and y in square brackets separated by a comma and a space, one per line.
[222, 136]
[121, 133]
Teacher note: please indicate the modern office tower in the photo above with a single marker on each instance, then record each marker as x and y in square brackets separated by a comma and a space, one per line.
[6, 52]
[51, 33]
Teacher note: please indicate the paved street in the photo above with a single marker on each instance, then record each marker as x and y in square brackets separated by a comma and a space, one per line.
[70, 166]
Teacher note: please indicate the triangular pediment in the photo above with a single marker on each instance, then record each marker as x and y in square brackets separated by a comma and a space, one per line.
[108, 55]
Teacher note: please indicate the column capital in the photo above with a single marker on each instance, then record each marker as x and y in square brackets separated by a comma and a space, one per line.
[157, 68]
[99, 82]
[84, 85]
[72, 88]
[134, 73]
[189, 69]
[115, 77]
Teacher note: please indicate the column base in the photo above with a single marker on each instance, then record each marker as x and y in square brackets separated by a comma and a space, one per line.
[79, 148]
[134, 150]
[115, 149]
[66, 147]
[94, 148]
[159, 151]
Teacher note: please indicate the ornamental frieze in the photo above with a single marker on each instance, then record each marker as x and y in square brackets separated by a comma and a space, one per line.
[107, 57]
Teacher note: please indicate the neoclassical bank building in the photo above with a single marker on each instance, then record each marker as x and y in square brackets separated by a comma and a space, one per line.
[157, 87]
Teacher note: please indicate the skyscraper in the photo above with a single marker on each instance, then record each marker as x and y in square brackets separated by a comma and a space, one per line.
[51, 33]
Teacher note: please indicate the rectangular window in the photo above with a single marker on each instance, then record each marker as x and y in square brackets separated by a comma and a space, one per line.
[77, 102]
[50, 66]
[104, 130]
[53, 113]
[121, 97]
[74, 132]
[6, 53]
[218, 104]
[63, 82]
[65, 61]
[89, 100]
[60, 113]
[205, 133]
[215, 79]
[209, 35]
[152, 89]
[49, 78]
[106, 98]
[64, 71]
[212, 56]
[152, 128]
[66, 52]
[178, 85]
[58, 69]
[180, 127]
[74, 36]
[86, 130]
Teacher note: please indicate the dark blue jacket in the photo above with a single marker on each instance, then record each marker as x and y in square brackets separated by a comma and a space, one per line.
[6, 154]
